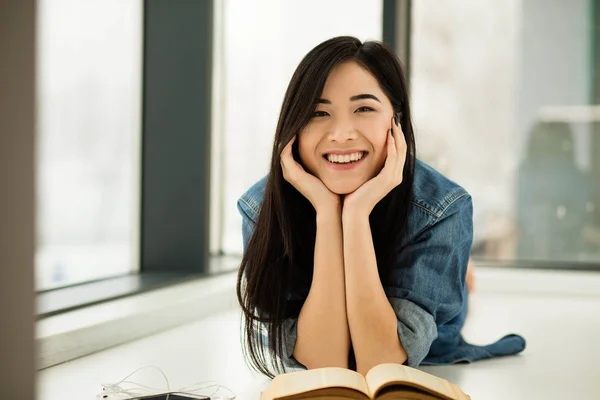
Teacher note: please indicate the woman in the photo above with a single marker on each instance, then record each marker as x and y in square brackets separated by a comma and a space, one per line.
[355, 252]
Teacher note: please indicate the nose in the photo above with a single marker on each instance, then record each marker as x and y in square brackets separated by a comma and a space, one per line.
[341, 130]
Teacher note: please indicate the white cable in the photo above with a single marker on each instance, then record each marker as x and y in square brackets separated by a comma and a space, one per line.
[114, 391]
[206, 385]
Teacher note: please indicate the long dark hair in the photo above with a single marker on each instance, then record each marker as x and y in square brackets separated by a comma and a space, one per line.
[277, 265]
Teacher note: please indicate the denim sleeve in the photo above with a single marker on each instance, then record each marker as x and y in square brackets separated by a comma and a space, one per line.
[290, 332]
[290, 326]
[428, 286]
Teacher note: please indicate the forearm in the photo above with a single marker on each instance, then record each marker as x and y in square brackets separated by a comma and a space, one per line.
[371, 318]
[323, 338]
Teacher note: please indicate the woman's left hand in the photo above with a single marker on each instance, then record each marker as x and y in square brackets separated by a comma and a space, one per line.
[362, 201]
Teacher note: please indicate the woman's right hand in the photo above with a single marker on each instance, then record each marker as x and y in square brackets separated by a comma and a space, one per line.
[311, 187]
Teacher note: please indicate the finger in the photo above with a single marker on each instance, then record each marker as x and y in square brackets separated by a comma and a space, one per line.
[401, 141]
[291, 168]
[398, 136]
[286, 153]
[288, 147]
[400, 151]
[390, 160]
[401, 146]
[391, 145]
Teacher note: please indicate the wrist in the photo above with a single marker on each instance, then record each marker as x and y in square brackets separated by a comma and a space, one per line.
[332, 212]
[355, 211]
[361, 207]
[354, 216]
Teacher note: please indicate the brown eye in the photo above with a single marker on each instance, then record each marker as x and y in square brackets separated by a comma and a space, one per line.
[320, 114]
[364, 109]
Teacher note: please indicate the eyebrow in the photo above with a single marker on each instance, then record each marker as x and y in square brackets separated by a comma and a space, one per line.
[361, 96]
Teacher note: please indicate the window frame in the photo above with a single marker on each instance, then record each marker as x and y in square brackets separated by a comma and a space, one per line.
[595, 59]
[17, 211]
[175, 171]
[397, 30]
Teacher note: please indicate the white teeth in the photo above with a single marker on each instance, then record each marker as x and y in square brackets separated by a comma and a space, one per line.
[344, 159]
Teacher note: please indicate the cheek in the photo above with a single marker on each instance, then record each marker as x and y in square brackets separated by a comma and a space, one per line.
[376, 133]
[306, 150]
[381, 156]
[380, 142]
[377, 136]
[374, 126]
[303, 151]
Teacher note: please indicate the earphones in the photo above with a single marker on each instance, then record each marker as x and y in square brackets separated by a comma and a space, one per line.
[116, 391]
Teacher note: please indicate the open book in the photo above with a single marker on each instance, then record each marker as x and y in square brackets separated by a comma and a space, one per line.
[383, 382]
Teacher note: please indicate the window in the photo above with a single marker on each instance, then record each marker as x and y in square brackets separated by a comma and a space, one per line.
[259, 44]
[506, 102]
[89, 58]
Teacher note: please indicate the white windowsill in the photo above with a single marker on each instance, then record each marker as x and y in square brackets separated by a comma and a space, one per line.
[74, 334]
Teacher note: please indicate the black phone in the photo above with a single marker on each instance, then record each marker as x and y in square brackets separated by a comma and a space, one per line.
[171, 396]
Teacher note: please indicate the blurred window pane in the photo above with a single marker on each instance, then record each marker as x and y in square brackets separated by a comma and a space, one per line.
[506, 102]
[262, 43]
[89, 99]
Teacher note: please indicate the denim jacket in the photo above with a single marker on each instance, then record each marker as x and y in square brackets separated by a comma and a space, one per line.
[429, 297]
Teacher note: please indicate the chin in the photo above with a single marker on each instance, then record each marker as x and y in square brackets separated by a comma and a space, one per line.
[342, 188]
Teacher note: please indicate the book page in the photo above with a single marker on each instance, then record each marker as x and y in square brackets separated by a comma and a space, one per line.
[294, 383]
[404, 393]
[396, 374]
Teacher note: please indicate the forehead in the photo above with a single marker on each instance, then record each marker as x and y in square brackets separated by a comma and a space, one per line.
[348, 79]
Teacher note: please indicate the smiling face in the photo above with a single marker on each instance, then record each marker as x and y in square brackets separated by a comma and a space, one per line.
[344, 144]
